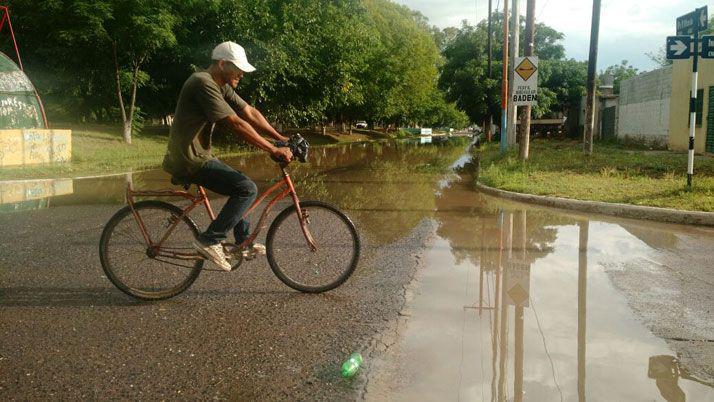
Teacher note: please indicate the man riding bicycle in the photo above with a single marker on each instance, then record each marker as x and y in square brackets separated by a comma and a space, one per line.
[208, 98]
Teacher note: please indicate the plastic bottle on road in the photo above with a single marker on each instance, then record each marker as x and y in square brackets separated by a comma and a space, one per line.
[351, 365]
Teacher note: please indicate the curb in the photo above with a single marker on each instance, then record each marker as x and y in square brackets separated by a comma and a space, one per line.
[622, 210]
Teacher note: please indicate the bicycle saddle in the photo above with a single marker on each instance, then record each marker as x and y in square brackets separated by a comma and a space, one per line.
[180, 181]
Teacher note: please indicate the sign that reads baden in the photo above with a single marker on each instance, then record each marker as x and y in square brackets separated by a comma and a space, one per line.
[525, 81]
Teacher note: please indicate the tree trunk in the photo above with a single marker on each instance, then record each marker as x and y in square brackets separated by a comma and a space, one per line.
[129, 179]
[127, 138]
[128, 122]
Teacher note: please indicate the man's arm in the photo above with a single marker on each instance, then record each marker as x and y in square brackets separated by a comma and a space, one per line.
[257, 120]
[244, 130]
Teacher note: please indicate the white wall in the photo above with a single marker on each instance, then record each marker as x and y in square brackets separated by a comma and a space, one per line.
[644, 106]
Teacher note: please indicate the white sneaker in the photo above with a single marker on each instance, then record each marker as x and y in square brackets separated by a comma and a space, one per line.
[253, 250]
[214, 253]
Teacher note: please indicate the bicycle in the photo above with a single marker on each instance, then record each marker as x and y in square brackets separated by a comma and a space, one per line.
[311, 246]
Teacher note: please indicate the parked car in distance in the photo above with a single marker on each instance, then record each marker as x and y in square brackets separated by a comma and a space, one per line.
[361, 124]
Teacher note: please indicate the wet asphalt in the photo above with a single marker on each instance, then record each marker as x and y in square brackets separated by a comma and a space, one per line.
[67, 333]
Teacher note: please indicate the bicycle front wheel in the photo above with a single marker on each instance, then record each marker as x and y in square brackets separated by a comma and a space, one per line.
[293, 261]
[141, 271]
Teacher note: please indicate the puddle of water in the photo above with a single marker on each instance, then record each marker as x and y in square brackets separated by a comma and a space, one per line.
[387, 187]
[517, 303]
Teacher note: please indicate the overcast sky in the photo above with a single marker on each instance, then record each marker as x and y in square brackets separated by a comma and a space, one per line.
[628, 28]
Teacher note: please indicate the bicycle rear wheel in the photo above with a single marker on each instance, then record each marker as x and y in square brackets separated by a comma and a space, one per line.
[137, 270]
[292, 260]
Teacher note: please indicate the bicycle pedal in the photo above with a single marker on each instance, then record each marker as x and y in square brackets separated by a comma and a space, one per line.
[251, 255]
[247, 255]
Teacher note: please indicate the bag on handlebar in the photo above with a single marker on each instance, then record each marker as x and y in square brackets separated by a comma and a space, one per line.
[298, 146]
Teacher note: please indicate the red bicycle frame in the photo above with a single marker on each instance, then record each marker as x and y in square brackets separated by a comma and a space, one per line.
[284, 187]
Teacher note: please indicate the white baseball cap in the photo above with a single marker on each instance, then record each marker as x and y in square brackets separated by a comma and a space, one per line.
[233, 52]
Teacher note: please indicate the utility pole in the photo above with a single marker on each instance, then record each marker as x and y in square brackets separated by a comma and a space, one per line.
[584, 228]
[515, 39]
[504, 85]
[525, 130]
[488, 121]
[592, 65]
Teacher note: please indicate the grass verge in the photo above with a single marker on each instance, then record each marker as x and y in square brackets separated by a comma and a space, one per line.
[612, 174]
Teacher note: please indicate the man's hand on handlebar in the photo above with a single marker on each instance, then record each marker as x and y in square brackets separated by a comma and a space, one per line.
[283, 153]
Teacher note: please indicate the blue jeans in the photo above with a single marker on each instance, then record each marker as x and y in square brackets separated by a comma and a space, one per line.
[241, 191]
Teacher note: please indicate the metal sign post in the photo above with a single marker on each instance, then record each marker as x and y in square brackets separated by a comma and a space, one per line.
[683, 46]
[693, 105]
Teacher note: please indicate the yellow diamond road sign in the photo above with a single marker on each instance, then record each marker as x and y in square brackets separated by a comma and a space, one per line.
[517, 283]
[526, 69]
[525, 81]
[518, 295]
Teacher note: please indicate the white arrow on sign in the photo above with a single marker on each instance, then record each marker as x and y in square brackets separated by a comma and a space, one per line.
[703, 17]
[678, 47]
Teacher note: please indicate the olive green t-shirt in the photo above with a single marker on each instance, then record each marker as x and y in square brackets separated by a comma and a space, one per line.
[201, 104]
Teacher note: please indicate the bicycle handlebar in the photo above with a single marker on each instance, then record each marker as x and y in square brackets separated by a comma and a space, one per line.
[298, 146]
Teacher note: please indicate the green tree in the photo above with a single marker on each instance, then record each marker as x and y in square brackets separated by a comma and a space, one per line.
[464, 76]
[318, 60]
[443, 37]
[562, 85]
[402, 67]
[437, 112]
[619, 72]
[137, 29]
[465, 81]
[659, 57]
[86, 41]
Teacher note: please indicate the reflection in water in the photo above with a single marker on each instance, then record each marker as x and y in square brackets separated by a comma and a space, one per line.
[31, 194]
[539, 318]
[666, 371]
[583, 228]
[511, 280]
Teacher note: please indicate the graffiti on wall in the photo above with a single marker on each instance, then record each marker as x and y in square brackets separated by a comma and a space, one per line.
[19, 111]
[15, 81]
[35, 146]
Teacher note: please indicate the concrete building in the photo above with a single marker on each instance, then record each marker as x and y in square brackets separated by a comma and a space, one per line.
[644, 107]
[679, 106]
[605, 113]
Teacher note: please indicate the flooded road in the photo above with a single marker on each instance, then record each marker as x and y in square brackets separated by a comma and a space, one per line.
[520, 303]
[509, 302]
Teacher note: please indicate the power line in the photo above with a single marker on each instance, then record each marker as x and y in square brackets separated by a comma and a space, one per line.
[545, 347]
[463, 332]
[542, 9]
